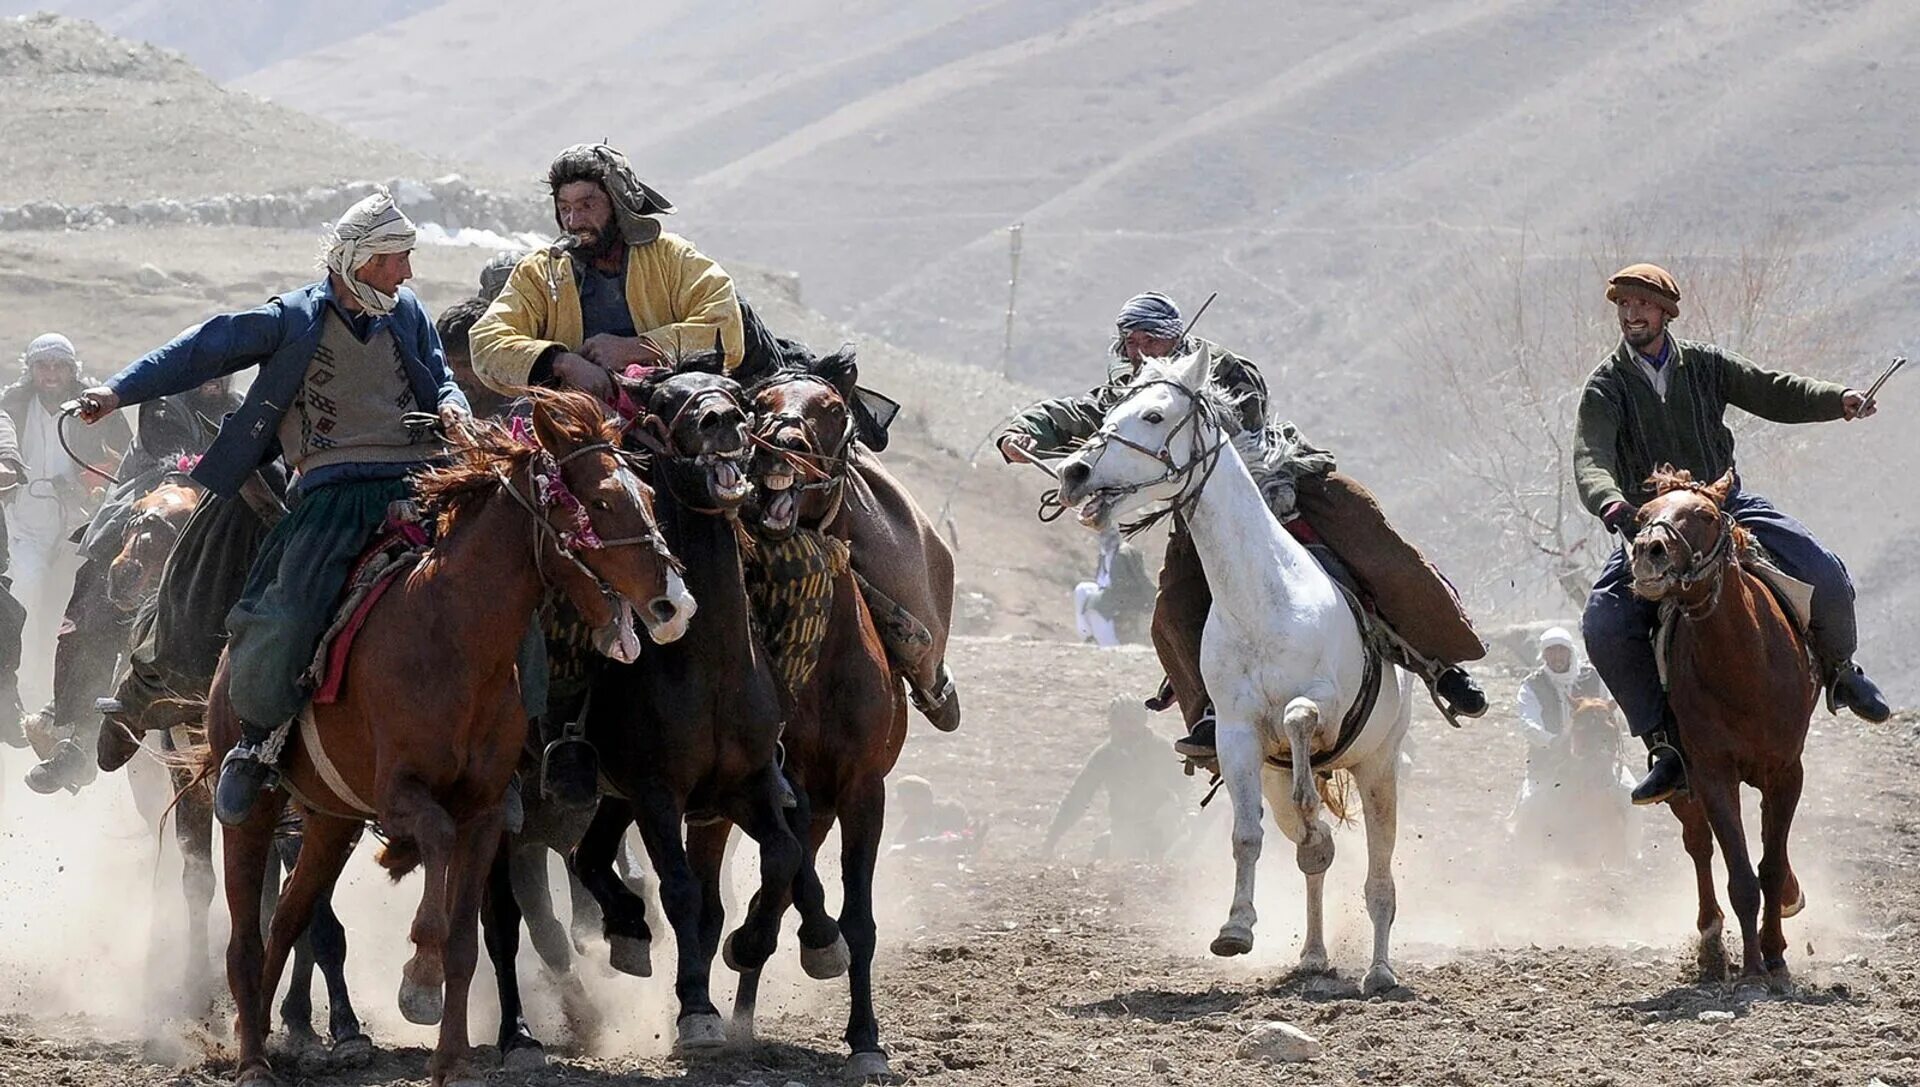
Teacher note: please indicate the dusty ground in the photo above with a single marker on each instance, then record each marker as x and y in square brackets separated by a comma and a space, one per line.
[1012, 970]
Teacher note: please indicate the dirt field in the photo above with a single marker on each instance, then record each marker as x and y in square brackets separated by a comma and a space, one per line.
[1014, 970]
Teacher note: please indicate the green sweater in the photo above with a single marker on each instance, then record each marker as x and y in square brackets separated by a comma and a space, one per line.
[1060, 425]
[1625, 430]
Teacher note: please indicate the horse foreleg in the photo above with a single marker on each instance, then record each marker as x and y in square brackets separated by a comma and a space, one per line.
[351, 1046]
[1378, 783]
[623, 914]
[193, 831]
[476, 843]
[781, 858]
[823, 950]
[410, 813]
[500, 928]
[862, 821]
[1697, 835]
[1777, 804]
[1239, 749]
[533, 899]
[245, 851]
[1300, 723]
[699, 1026]
[1722, 804]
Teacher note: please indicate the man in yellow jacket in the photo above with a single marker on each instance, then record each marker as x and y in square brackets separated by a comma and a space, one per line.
[614, 291]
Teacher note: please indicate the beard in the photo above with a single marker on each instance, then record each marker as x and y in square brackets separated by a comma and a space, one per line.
[601, 245]
[1640, 339]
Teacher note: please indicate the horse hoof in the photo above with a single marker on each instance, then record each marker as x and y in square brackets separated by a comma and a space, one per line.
[258, 1075]
[420, 1004]
[631, 955]
[865, 1066]
[525, 1058]
[1314, 854]
[702, 1032]
[1233, 940]
[1779, 978]
[1794, 909]
[824, 963]
[1380, 979]
[1312, 964]
[354, 1052]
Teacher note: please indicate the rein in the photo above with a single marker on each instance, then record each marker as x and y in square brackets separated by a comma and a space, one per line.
[1203, 459]
[828, 471]
[549, 491]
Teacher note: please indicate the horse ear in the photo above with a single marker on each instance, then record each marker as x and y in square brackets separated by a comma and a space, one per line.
[1722, 488]
[1193, 370]
[547, 428]
[842, 369]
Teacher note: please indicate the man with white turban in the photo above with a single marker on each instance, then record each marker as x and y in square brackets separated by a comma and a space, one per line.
[351, 450]
[1546, 702]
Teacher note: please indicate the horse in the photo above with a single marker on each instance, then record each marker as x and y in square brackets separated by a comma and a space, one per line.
[158, 523]
[1575, 812]
[520, 519]
[690, 734]
[846, 712]
[1281, 653]
[1743, 687]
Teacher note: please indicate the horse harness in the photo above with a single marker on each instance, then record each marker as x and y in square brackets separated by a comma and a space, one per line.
[1355, 721]
[549, 491]
[1190, 487]
[829, 470]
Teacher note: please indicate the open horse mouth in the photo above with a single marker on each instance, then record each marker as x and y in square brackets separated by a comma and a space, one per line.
[618, 640]
[726, 483]
[1095, 511]
[782, 511]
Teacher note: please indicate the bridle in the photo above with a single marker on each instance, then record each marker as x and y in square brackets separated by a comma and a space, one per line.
[1191, 476]
[663, 442]
[547, 491]
[827, 471]
[1699, 566]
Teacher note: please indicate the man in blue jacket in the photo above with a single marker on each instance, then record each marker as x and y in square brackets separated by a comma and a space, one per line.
[341, 362]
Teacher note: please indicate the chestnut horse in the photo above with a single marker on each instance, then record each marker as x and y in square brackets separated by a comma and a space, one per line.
[689, 734]
[430, 725]
[1742, 687]
[158, 516]
[847, 720]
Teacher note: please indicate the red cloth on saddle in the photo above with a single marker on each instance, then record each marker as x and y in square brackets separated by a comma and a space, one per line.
[393, 535]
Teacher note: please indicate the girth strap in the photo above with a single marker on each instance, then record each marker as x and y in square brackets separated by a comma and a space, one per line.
[1355, 721]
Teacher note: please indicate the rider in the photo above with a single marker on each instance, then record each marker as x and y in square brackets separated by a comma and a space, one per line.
[1412, 597]
[1658, 399]
[94, 630]
[1142, 787]
[616, 290]
[342, 361]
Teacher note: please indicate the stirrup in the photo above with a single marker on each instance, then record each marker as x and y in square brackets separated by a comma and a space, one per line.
[571, 749]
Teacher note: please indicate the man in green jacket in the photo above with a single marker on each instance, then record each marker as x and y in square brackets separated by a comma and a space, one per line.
[1338, 520]
[1658, 399]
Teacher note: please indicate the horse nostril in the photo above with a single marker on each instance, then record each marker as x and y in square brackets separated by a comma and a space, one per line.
[663, 610]
[1075, 475]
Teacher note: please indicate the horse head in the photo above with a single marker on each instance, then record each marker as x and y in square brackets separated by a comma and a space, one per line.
[697, 424]
[802, 439]
[1154, 440]
[1684, 538]
[157, 518]
[1591, 729]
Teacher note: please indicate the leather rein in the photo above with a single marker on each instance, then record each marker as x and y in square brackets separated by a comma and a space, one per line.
[826, 471]
[1203, 459]
[549, 491]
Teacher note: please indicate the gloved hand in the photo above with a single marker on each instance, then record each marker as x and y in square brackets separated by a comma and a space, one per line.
[1619, 517]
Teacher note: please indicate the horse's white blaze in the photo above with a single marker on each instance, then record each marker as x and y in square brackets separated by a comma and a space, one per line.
[1280, 653]
[683, 607]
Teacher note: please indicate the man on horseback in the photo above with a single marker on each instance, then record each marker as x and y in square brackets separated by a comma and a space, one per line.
[342, 362]
[616, 290]
[1338, 518]
[1656, 400]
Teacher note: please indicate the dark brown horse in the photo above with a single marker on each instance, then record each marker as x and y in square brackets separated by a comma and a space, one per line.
[846, 713]
[429, 729]
[689, 734]
[1742, 687]
[158, 517]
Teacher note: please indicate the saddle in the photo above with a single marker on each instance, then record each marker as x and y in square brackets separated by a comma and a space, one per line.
[396, 549]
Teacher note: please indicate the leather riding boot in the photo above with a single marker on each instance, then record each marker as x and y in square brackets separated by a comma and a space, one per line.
[1459, 691]
[1199, 744]
[942, 707]
[69, 767]
[1851, 688]
[1163, 698]
[243, 774]
[1666, 771]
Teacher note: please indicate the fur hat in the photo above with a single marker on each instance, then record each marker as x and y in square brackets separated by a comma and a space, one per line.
[1648, 281]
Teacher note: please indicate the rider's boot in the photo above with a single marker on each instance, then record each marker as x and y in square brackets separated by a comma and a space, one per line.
[1198, 743]
[1163, 698]
[1463, 697]
[942, 706]
[1849, 687]
[69, 767]
[243, 774]
[1666, 769]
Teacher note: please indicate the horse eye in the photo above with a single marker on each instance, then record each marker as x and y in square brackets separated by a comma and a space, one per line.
[1155, 417]
[601, 504]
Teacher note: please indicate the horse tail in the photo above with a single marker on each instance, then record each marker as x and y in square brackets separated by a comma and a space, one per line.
[399, 857]
[1336, 792]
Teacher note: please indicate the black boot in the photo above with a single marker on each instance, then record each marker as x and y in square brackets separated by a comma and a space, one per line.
[942, 707]
[1162, 698]
[243, 774]
[69, 767]
[1666, 771]
[1850, 688]
[1463, 696]
[1198, 744]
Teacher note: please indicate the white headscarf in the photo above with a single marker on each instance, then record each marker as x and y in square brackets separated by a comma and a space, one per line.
[51, 347]
[369, 228]
[1551, 637]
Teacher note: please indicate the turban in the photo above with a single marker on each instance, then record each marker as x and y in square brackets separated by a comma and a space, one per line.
[51, 347]
[1553, 636]
[635, 203]
[1648, 281]
[368, 229]
[1152, 313]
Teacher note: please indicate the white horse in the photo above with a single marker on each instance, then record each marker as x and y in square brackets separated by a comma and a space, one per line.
[1281, 653]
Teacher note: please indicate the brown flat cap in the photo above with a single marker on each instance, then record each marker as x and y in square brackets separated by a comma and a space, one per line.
[1648, 281]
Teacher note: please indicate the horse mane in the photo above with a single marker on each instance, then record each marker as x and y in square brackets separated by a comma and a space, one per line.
[1666, 479]
[489, 449]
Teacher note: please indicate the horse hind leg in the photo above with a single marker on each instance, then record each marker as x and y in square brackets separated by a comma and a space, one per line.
[1238, 747]
[1379, 787]
[1313, 948]
[1778, 802]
